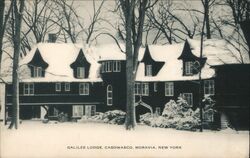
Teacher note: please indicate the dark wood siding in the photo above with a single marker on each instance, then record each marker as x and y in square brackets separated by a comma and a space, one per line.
[232, 93]
[46, 93]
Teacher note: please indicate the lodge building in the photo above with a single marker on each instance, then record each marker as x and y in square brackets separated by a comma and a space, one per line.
[80, 81]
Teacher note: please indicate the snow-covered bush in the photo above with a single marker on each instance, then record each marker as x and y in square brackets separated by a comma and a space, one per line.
[208, 113]
[177, 115]
[112, 117]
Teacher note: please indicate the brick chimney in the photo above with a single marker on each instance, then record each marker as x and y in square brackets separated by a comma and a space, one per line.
[51, 37]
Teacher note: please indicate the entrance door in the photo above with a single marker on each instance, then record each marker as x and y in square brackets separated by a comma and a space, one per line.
[88, 110]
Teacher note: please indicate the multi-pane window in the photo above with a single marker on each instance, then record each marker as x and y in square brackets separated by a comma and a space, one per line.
[145, 89]
[116, 66]
[67, 87]
[28, 88]
[137, 89]
[155, 86]
[188, 68]
[188, 97]
[77, 111]
[93, 110]
[209, 87]
[148, 70]
[108, 66]
[80, 72]
[169, 89]
[37, 71]
[109, 95]
[90, 110]
[58, 87]
[84, 88]
[111, 66]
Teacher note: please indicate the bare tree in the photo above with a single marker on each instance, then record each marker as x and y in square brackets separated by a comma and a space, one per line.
[166, 22]
[133, 12]
[72, 25]
[66, 19]
[3, 23]
[17, 16]
[240, 10]
[91, 28]
[36, 17]
[207, 5]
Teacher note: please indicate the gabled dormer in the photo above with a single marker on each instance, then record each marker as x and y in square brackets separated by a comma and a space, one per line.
[80, 66]
[37, 65]
[152, 67]
[191, 63]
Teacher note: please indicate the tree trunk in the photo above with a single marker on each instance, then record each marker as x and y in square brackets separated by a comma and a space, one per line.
[206, 8]
[2, 6]
[17, 20]
[130, 122]
[130, 106]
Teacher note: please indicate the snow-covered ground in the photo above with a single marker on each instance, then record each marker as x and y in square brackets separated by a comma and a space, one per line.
[35, 139]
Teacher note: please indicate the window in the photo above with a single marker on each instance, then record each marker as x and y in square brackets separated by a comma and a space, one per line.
[188, 68]
[209, 87]
[137, 89]
[90, 110]
[84, 89]
[58, 87]
[80, 72]
[169, 89]
[37, 71]
[67, 86]
[108, 66]
[189, 98]
[155, 86]
[103, 67]
[109, 95]
[148, 70]
[28, 89]
[116, 66]
[77, 111]
[208, 116]
[145, 89]
[93, 110]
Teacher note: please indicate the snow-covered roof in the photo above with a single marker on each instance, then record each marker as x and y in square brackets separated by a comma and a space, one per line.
[110, 52]
[59, 56]
[217, 52]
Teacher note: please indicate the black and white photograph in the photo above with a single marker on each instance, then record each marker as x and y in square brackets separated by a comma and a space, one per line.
[124, 78]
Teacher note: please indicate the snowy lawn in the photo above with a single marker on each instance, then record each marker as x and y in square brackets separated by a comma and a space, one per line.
[34, 139]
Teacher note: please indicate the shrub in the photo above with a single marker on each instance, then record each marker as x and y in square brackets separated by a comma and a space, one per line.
[175, 115]
[111, 117]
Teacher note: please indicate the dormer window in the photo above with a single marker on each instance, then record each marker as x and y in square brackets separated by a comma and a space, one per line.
[80, 66]
[37, 65]
[148, 70]
[191, 63]
[80, 72]
[152, 66]
[37, 71]
[188, 68]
